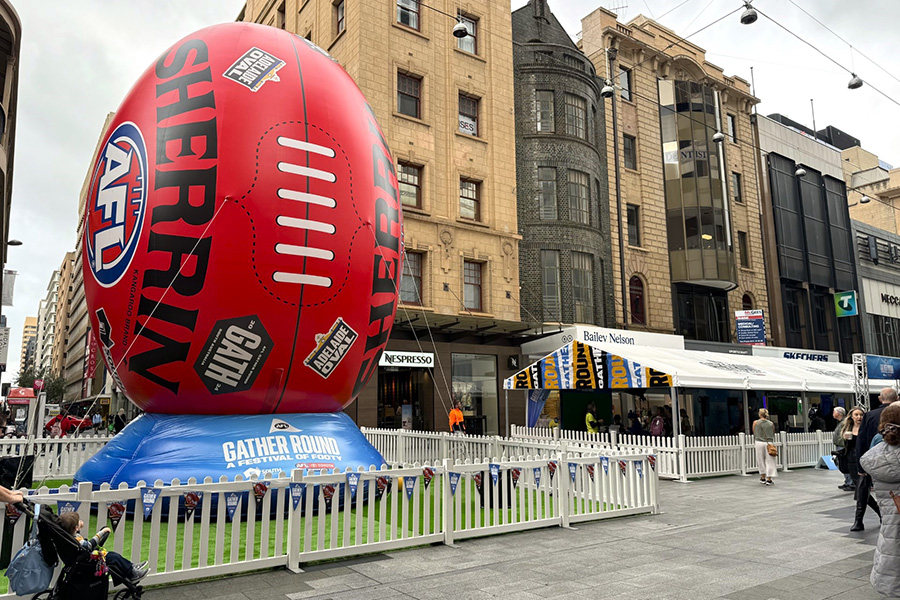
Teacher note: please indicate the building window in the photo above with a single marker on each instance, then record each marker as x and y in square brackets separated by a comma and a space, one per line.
[468, 115]
[544, 112]
[551, 285]
[746, 302]
[629, 149]
[409, 180]
[547, 193]
[470, 42]
[579, 192]
[634, 226]
[583, 287]
[636, 295]
[475, 384]
[472, 285]
[576, 116]
[732, 127]
[408, 94]
[411, 282]
[469, 201]
[573, 62]
[339, 16]
[280, 18]
[744, 249]
[625, 82]
[736, 187]
[408, 13]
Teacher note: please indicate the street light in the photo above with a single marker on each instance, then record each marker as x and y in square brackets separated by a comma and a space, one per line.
[459, 30]
[855, 82]
[749, 16]
[14, 243]
[718, 137]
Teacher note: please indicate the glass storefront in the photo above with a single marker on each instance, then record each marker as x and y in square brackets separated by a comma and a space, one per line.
[697, 214]
[475, 385]
[403, 394]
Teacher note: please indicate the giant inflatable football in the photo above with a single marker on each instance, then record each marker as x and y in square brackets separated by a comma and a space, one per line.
[243, 234]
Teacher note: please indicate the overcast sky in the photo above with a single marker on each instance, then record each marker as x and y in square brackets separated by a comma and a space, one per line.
[80, 57]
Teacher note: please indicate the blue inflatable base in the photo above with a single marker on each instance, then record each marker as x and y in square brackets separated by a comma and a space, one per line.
[167, 447]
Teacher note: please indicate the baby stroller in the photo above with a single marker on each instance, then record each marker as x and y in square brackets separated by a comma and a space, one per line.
[79, 579]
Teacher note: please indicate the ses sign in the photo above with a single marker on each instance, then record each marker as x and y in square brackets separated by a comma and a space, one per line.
[751, 327]
[423, 360]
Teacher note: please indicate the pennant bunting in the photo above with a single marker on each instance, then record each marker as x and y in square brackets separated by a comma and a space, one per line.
[622, 466]
[66, 506]
[298, 492]
[573, 468]
[192, 501]
[495, 472]
[148, 497]
[639, 467]
[537, 478]
[12, 514]
[115, 511]
[652, 460]
[353, 483]
[259, 489]
[328, 493]
[454, 481]
[232, 501]
[382, 485]
[551, 466]
[604, 460]
[409, 482]
[590, 470]
[515, 473]
[427, 476]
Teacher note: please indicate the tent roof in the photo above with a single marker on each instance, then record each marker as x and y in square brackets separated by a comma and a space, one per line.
[579, 365]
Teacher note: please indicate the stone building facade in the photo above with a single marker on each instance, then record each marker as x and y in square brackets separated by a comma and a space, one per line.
[693, 252]
[446, 108]
[563, 196]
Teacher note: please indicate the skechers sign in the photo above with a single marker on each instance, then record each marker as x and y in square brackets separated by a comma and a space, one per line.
[423, 360]
[116, 201]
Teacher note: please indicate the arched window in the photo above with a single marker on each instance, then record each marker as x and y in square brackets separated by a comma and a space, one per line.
[636, 293]
[747, 302]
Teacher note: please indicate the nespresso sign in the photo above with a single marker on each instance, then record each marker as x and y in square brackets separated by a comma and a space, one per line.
[889, 299]
[424, 360]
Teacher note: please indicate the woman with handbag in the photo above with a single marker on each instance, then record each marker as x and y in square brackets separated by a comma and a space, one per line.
[849, 432]
[764, 437]
[882, 463]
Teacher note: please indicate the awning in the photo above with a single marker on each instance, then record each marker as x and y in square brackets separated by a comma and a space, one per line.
[580, 366]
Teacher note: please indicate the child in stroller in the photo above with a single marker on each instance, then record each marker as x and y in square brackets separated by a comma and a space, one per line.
[83, 576]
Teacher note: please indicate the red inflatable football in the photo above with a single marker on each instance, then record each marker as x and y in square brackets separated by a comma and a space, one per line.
[242, 245]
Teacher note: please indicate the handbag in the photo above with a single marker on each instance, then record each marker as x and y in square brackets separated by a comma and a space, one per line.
[27, 572]
[771, 449]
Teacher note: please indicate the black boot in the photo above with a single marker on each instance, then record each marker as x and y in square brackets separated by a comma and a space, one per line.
[858, 518]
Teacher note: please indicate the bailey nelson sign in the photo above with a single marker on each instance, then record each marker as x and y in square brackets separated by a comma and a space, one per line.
[423, 360]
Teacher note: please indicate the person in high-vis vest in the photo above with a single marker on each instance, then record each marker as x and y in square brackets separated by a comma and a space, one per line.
[590, 419]
[456, 419]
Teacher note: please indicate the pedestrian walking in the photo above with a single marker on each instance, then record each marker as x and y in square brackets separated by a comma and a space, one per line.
[882, 463]
[590, 419]
[764, 436]
[96, 421]
[848, 459]
[867, 430]
[120, 421]
[840, 454]
[457, 420]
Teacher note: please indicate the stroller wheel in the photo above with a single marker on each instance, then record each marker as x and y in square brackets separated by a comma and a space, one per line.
[127, 594]
[45, 595]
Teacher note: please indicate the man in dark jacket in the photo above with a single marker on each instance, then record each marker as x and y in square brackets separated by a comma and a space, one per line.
[867, 430]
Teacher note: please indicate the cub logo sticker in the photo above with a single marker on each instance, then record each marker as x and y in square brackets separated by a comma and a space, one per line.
[254, 69]
[331, 347]
[117, 199]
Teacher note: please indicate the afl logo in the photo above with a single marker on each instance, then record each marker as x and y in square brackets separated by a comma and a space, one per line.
[116, 202]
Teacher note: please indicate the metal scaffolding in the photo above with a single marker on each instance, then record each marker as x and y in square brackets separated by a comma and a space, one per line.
[861, 381]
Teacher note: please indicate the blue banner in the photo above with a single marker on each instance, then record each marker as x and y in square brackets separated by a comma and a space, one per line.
[298, 491]
[573, 468]
[537, 477]
[535, 405]
[409, 482]
[66, 506]
[882, 367]
[232, 501]
[352, 483]
[604, 460]
[495, 472]
[148, 498]
[751, 327]
[454, 481]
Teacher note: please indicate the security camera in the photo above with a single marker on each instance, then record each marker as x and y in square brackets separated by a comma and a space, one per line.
[607, 91]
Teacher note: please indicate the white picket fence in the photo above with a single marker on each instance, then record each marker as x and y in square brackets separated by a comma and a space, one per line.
[55, 458]
[461, 499]
[696, 456]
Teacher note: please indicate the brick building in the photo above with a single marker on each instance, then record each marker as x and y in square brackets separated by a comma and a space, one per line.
[446, 108]
[693, 252]
[563, 196]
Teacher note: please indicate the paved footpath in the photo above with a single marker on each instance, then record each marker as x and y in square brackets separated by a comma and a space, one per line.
[727, 537]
